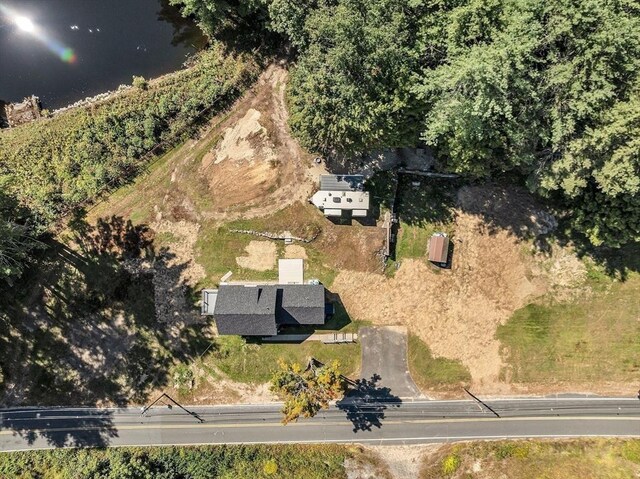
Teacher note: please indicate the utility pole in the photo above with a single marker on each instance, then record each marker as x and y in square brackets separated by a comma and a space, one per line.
[165, 395]
[481, 402]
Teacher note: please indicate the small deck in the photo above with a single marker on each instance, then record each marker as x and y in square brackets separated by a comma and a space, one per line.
[326, 338]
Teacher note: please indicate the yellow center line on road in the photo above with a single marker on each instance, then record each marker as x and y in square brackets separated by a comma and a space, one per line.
[321, 424]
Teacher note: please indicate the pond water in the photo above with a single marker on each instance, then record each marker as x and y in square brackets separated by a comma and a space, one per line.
[65, 50]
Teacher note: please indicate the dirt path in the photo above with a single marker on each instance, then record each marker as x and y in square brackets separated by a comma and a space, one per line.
[403, 462]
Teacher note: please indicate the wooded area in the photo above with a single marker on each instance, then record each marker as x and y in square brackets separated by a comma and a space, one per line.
[547, 89]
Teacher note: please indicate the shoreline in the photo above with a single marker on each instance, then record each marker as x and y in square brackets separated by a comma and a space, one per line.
[107, 95]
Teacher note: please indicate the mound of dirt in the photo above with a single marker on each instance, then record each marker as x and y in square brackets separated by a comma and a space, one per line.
[237, 145]
[242, 167]
[261, 256]
[257, 168]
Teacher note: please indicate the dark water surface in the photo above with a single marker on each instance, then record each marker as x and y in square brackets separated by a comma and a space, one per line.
[66, 50]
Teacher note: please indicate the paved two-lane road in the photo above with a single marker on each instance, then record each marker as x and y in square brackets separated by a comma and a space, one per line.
[416, 422]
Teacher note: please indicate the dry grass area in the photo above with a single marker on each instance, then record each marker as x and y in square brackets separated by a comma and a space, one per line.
[572, 459]
[457, 311]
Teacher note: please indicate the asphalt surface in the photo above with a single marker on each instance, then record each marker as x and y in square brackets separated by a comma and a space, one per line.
[385, 372]
[409, 422]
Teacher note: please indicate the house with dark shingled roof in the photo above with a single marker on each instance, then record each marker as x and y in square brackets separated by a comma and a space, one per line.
[258, 310]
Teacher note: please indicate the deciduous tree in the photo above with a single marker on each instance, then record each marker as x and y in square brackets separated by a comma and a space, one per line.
[307, 390]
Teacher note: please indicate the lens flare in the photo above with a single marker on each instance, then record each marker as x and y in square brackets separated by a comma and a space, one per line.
[25, 24]
[68, 56]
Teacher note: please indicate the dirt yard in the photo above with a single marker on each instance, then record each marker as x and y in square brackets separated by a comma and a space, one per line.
[261, 256]
[456, 312]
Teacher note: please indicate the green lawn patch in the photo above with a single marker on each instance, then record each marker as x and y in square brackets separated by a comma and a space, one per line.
[218, 246]
[429, 372]
[593, 339]
[217, 249]
[251, 362]
[301, 219]
[423, 210]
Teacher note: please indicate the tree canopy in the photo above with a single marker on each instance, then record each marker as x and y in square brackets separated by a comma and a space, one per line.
[544, 88]
[17, 238]
[306, 390]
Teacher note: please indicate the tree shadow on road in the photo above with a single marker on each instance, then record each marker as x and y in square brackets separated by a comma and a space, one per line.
[366, 402]
[86, 428]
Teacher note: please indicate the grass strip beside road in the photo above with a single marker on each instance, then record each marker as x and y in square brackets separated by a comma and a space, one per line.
[573, 459]
[255, 363]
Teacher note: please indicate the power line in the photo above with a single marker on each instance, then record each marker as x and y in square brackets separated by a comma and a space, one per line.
[165, 395]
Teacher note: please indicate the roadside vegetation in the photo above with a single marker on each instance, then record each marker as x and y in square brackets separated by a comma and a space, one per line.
[575, 459]
[202, 462]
